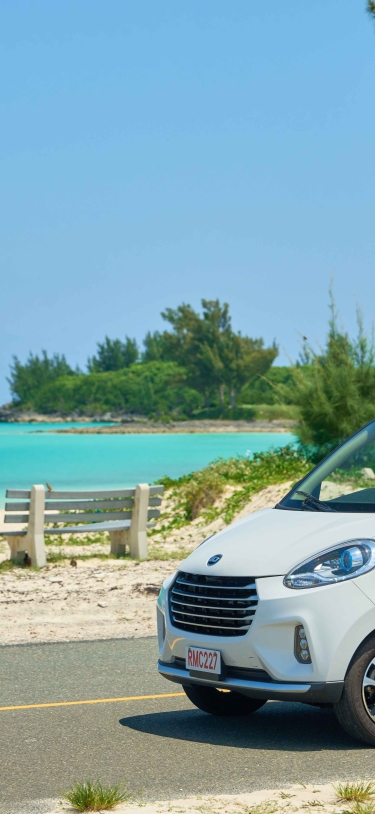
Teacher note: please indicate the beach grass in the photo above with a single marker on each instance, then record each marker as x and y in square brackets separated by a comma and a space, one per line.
[359, 792]
[93, 796]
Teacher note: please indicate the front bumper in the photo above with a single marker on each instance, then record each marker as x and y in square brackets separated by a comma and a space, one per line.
[314, 693]
[336, 618]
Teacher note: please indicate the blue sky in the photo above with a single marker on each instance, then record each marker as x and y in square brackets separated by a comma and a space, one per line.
[154, 153]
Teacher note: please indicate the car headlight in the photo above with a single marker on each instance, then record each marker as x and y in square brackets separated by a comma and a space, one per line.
[351, 559]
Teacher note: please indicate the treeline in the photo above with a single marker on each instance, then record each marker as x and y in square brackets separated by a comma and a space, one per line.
[198, 366]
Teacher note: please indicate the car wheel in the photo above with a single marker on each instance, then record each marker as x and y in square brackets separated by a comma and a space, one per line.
[356, 709]
[217, 702]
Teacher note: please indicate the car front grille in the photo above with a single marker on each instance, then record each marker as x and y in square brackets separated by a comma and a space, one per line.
[215, 606]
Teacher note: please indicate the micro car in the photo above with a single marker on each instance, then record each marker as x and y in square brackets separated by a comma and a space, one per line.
[281, 604]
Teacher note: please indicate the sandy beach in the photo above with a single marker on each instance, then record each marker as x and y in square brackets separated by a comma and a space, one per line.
[99, 598]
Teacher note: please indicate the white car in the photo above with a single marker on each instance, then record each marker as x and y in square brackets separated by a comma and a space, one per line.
[281, 604]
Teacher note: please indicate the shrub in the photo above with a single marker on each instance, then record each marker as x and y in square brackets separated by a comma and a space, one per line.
[359, 792]
[198, 491]
[336, 394]
[265, 389]
[89, 796]
[201, 492]
[153, 388]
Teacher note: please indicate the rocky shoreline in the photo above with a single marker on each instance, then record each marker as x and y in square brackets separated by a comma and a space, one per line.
[123, 423]
[204, 426]
[9, 415]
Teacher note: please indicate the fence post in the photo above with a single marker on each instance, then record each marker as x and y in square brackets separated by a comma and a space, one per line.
[34, 541]
[138, 525]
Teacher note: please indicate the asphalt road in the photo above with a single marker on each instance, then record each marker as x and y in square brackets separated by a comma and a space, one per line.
[161, 746]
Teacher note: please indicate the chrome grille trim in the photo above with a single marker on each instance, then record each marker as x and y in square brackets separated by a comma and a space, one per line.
[216, 606]
[223, 587]
[217, 618]
[211, 597]
[214, 628]
[212, 607]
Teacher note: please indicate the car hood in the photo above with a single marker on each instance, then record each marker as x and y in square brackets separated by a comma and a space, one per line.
[272, 541]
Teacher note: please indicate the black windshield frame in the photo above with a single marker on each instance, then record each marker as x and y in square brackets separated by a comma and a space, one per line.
[352, 506]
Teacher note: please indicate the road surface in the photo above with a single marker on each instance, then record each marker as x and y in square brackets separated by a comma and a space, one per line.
[161, 746]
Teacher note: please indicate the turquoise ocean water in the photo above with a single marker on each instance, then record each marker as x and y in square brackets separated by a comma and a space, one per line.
[30, 455]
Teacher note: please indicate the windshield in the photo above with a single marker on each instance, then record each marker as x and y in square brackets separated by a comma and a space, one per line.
[343, 482]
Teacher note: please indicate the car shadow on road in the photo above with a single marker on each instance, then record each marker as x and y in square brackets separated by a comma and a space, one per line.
[277, 726]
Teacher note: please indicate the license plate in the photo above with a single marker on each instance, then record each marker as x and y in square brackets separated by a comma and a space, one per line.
[202, 660]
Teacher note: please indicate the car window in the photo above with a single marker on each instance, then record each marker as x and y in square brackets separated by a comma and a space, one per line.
[344, 481]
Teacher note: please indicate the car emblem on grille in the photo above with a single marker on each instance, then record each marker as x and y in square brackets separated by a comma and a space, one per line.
[213, 560]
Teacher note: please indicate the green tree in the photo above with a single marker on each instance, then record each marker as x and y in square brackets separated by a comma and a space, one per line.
[371, 7]
[243, 359]
[216, 359]
[267, 389]
[154, 347]
[336, 393]
[27, 379]
[112, 354]
[194, 343]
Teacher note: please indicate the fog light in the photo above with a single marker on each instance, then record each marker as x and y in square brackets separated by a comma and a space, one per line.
[301, 646]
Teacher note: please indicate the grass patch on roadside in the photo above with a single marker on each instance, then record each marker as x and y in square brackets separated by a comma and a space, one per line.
[93, 796]
[359, 792]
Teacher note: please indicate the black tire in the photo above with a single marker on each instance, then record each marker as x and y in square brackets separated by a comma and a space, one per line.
[211, 700]
[356, 709]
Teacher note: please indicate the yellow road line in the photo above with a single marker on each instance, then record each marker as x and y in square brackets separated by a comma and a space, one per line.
[95, 701]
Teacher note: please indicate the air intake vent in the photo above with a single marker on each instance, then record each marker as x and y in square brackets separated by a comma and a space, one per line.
[215, 606]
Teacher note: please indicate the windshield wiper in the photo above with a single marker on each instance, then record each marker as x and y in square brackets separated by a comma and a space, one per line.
[316, 504]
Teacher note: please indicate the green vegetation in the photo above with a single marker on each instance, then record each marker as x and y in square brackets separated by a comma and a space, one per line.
[264, 389]
[198, 367]
[275, 412]
[112, 354]
[195, 494]
[359, 792]
[6, 565]
[99, 538]
[156, 389]
[93, 796]
[55, 556]
[361, 808]
[335, 392]
[27, 380]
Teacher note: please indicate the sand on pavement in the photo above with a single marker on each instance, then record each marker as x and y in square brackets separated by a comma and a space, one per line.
[296, 799]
